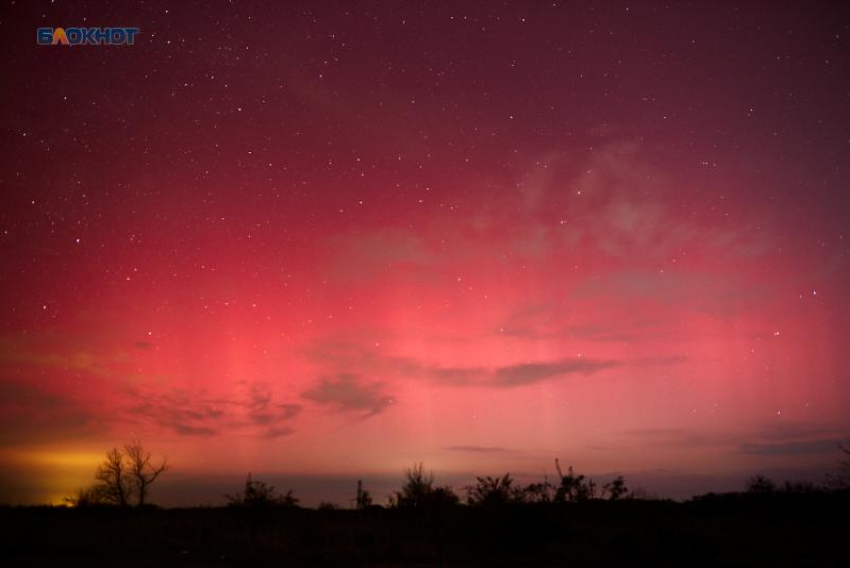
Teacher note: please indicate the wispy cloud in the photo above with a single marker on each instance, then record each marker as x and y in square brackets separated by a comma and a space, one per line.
[197, 414]
[350, 361]
[350, 392]
[528, 373]
[180, 412]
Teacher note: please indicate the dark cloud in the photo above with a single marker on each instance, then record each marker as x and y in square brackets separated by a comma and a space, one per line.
[262, 412]
[528, 373]
[349, 360]
[186, 430]
[498, 377]
[197, 415]
[821, 446]
[349, 392]
[143, 345]
[277, 432]
[180, 412]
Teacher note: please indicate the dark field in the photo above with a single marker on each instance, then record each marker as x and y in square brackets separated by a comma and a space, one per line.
[727, 530]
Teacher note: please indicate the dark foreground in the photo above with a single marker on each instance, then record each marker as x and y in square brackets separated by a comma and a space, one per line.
[729, 530]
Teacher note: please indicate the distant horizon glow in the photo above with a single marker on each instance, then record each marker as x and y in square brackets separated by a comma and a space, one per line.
[324, 244]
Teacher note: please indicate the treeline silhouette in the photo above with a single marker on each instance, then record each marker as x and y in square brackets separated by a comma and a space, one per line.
[125, 476]
[495, 521]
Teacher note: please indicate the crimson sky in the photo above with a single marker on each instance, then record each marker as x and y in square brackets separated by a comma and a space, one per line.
[323, 242]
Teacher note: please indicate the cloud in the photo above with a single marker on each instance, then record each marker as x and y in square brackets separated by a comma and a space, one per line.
[187, 430]
[349, 392]
[263, 412]
[277, 432]
[505, 376]
[195, 414]
[348, 360]
[180, 412]
[528, 373]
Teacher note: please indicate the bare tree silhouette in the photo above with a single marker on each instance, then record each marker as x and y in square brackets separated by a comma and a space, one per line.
[121, 478]
[141, 470]
[114, 479]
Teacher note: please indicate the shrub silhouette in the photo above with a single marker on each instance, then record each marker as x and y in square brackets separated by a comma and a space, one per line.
[573, 486]
[259, 495]
[539, 492]
[616, 489]
[576, 487]
[88, 497]
[494, 491]
[419, 491]
[760, 485]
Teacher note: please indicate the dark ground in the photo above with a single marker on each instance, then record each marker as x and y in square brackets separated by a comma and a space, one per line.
[726, 530]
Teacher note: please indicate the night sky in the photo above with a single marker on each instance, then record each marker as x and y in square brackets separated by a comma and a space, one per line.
[325, 241]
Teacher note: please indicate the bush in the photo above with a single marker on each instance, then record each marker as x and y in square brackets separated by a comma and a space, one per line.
[259, 495]
[419, 491]
[494, 491]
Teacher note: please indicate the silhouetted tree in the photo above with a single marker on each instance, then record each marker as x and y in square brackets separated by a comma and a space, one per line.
[141, 470]
[539, 492]
[573, 486]
[121, 477]
[419, 491]
[257, 494]
[616, 489]
[576, 487]
[364, 498]
[115, 481]
[492, 491]
[418, 485]
[761, 485]
[88, 497]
